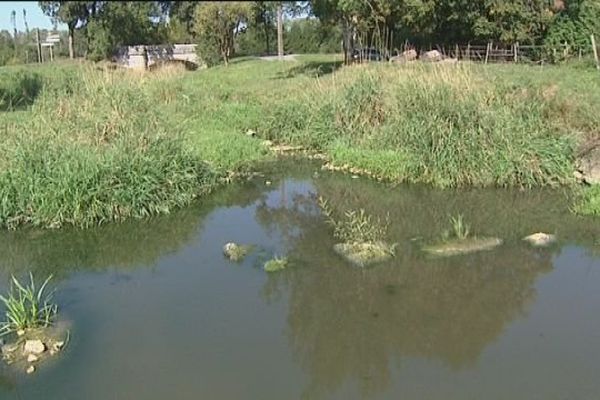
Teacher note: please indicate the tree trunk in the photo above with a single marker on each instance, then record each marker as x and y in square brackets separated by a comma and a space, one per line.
[347, 44]
[71, 49]
[279, 31]
[266, 26]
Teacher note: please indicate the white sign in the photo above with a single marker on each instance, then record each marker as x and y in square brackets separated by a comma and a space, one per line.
[47, 44]
[52, 40]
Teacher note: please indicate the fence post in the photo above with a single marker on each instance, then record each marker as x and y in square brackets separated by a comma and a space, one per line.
[487, 52]
[516, 51]
[595, 51]
[469, 51]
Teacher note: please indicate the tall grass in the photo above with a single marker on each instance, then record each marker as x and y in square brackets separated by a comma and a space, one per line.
[102, 153]
[18, 89]
[27, 306]
[446, 126]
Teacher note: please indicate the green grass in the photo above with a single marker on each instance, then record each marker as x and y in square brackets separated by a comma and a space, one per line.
[27, 306]
[445, 126]
[94, 146]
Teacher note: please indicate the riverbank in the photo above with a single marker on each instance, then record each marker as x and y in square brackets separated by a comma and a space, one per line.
[89, 145]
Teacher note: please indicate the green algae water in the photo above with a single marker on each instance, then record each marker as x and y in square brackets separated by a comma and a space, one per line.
[157, 311]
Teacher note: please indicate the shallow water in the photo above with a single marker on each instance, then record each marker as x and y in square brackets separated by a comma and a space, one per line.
[159, 313]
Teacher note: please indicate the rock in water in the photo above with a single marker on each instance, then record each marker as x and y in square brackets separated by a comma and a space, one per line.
[30, 369]
[34, 347]
[540, 239]
[32, 358]
[462, 246]
[9, 348]
[364, 254]
[235, 252]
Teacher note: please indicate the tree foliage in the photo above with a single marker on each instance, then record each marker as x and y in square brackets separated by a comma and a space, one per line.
[217, 24]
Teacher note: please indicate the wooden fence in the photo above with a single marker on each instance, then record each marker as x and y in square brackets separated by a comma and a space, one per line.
[516, 53]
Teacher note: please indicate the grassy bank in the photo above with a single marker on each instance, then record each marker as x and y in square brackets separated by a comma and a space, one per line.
[445, 126]
[89, 145]
[92, 151]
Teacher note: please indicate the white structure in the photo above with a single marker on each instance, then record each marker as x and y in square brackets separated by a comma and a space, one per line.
[145, 56]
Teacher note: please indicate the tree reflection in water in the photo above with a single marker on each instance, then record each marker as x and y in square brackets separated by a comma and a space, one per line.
[351, 325]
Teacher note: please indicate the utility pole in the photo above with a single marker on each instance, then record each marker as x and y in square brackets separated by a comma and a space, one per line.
[279, 31]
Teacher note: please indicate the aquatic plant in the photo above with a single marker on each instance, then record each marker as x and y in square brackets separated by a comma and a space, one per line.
[27, 306]
[355, 226]
[460, 229]
[588, 201]
[276, 264]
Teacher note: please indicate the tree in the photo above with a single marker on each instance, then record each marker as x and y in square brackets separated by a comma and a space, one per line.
[72, 13]
[264, 16]
[124, 23]
[217, 24]
[25, 22]
[13, 21]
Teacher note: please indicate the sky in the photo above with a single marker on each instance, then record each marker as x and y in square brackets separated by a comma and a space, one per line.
[35, 16]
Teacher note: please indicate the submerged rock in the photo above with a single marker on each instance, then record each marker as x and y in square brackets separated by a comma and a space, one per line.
[462, 246]
[35, 346]
[364, 254]
[235, 252]
[30, 369]
[540, 239]
[276, 264]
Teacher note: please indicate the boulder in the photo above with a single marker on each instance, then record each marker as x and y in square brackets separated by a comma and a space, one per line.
[540, 239]
[34, 347]
[30, 369]
[588, 167]
[450, 61]
[431, 56]
[405, 56]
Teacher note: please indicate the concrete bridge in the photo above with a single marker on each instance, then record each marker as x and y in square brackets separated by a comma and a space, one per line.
[149, 56]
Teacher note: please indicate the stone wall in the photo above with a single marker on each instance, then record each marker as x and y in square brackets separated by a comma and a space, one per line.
[135, 56]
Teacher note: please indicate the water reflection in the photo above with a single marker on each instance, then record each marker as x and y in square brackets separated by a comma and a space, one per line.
[353, 325]
[124, 246]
